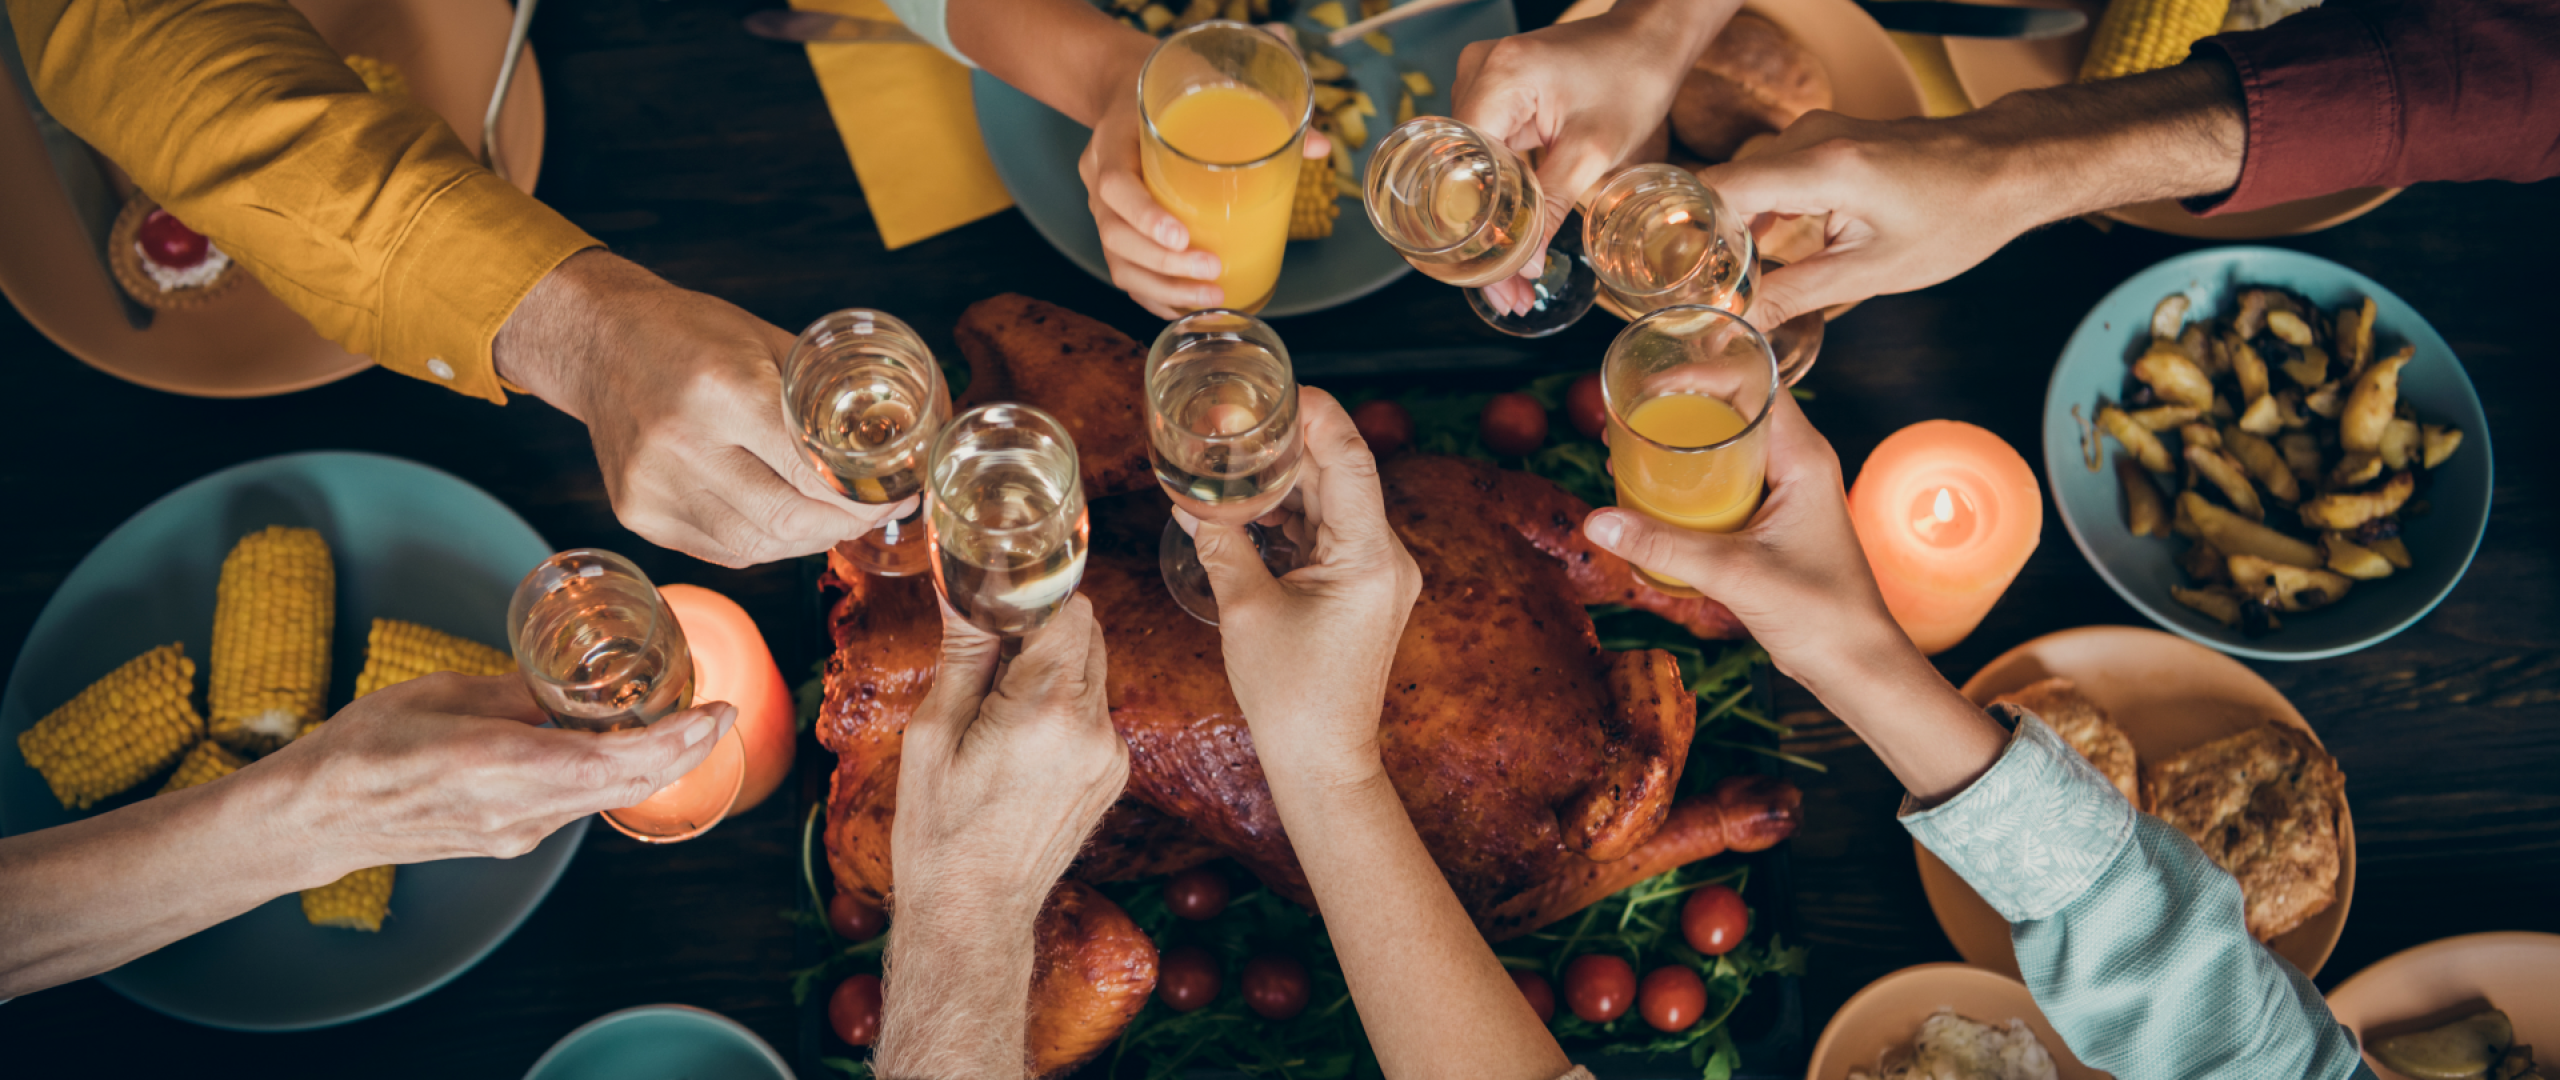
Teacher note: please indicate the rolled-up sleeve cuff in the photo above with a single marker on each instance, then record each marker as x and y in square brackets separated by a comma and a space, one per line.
[930, 20]
[457, 275]
[2032, 834]
[2321, 104]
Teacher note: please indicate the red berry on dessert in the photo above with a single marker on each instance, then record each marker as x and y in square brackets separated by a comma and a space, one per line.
[167, 241]
[162, 262]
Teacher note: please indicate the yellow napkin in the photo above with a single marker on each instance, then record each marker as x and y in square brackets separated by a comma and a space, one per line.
[906, 118]
[1938, 86]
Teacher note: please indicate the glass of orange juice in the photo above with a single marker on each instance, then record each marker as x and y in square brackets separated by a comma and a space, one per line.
[1225, 109]
[1688, 389]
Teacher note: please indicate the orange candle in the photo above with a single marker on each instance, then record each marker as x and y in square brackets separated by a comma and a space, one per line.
[1947, 513]
[731, 664]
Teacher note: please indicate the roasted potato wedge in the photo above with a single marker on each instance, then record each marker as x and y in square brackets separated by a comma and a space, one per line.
[2374, 402]
[2353, 559]
[2204, 435]
[2252, 316]
[2355, 336]
[2394, 551]
[2146, 511]
[2287, 588]
[2263, 417]
[2220, 605]
[2438, 442]
[2347, 509]
[2205, 563]
[2167, 417]
[2228, 477]
[2145, 446]
[2289, 328]
[2249, 370]
[2166, 369]
[2326, 400]
[2264, 463]
[2237, 535]
[2169, 316]
[2356, 470]
[2399, 447]
[2301, 451]
[2308, 368]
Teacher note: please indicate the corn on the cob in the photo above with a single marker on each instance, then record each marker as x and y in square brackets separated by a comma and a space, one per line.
[1312, 209]
[271, 620]
[357, 901]
[119, 731]
[396, 652]
[2135, 36]
[205, 764]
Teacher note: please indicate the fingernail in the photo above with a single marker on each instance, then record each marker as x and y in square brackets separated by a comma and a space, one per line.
[701, 728]
[1205, 267]
[1170, 235]
[1603, 528]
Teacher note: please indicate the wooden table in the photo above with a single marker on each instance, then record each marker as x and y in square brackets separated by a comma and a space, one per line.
[709, 156]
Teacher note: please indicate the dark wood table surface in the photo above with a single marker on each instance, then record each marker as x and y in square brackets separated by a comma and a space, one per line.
[710, 157]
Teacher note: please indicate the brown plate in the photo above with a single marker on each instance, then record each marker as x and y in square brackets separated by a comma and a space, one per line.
[247, 343]
[1885, 1017]
[1991, 68]
[2516, 971]
[2168, 694]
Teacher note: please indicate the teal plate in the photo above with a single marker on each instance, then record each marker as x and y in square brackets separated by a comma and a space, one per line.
[411, 543]
[1035, 149]
[2141, 569]
[660, 1042]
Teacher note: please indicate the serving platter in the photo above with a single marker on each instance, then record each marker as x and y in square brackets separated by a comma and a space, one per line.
[1885, 1017]
[2516, 971]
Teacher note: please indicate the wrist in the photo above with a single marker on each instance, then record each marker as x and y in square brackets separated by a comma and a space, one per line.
[309, 834]
[1121, 55]
[549, 343]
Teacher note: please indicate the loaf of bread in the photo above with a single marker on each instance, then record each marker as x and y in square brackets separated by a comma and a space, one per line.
[1754, 79]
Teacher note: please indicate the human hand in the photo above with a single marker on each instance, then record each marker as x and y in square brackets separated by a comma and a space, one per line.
[1589, 92]
[1308, 653]
[1007, 767]
[682, 393]
[454, 766]
[1148, 250]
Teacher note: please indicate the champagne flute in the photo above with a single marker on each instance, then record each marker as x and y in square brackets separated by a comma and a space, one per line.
[1222, 430]
[1223, 111]
[865, 398]
[1688, 389]
[1006, 510]
[1465, 209]
[1659, 237]
[601, 651]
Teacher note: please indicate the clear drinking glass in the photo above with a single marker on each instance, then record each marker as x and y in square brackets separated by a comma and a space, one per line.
[1222, 429]
[602, 652]
[1007, 512]
[1224, 109]
[865, 398]
[1657, 236]
[1465, 209]
[1688, 388]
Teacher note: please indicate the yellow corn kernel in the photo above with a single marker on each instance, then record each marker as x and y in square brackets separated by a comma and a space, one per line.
[2135, 36]
[1312, 209]
[205, 764]
[119, 731]
[271, 620]
[396, 652]
[357, 901]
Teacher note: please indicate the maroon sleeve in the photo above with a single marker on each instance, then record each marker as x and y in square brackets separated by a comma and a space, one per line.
[2386, 93]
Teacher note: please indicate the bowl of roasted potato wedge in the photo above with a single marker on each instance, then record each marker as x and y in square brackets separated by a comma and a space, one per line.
[2267, 453]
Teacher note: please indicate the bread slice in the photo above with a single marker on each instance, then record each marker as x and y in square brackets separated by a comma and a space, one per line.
[2080, 722]
[2264, 805]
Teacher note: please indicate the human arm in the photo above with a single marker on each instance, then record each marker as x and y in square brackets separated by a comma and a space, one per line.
[1308, 656]
[444, 767]
[1002, 776]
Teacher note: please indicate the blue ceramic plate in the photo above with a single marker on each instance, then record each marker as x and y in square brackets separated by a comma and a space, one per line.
[2141, 569]
[410, 543]
[660, 1042]
[1035, 150]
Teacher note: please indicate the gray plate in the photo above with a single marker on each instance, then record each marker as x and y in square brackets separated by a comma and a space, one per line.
[411, 543]
[2141, 569]
[1035, 150]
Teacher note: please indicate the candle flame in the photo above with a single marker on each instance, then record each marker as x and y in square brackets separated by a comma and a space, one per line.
[1945, 508]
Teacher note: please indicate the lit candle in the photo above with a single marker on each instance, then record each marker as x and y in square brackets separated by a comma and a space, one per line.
[731, 664]
[1947, 513]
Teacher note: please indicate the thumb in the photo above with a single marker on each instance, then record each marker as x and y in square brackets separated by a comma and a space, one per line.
[639, 762]
[1572, 167]
[1233, 563]
[1700, 560]
[1819, 281]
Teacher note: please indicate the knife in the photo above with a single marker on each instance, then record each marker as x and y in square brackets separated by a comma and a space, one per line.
[819, 27]
[83, 183]
[1949, 19]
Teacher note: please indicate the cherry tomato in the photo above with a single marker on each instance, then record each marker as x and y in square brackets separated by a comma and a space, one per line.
[1714, 920]
[1672, 998]
[1542, 997]
[1599, 988]
[854, 1010]
[1197, 894]
[1276, 986]
[169, 242]
[1585, 407]
[853, 918]
[1385, 424]
[1188, 978]
[1513, 425]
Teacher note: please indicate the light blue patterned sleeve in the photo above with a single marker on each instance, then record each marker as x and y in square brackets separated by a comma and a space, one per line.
[2131, 940]
[930, 19]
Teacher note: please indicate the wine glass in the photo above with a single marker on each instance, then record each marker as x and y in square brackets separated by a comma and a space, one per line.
[1006, 510]
[1688, 388]
[865, 398]
[1658, 237]
[1223, 110]
[601, 651]
[1465, 209]
[1222, 430]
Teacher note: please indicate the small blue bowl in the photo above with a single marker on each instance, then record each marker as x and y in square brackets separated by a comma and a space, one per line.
[2141, 569]
[660, 1042]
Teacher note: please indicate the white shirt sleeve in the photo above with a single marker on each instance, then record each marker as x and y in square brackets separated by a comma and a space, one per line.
[930, 20]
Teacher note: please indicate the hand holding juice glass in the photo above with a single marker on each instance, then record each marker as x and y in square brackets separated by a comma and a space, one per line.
[1687, 389]
[1225, 110]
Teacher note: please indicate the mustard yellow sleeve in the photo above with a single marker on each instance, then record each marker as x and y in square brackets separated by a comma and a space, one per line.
[364, 213]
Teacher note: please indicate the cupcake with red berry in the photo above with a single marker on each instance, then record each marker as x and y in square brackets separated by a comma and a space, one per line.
[162, 262]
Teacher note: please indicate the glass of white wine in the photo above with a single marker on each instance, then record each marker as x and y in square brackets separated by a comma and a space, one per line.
[865, 399]
[601, 651]
[1006, 509]
[1658, 237]
[1465, 209]
[1222, 430]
